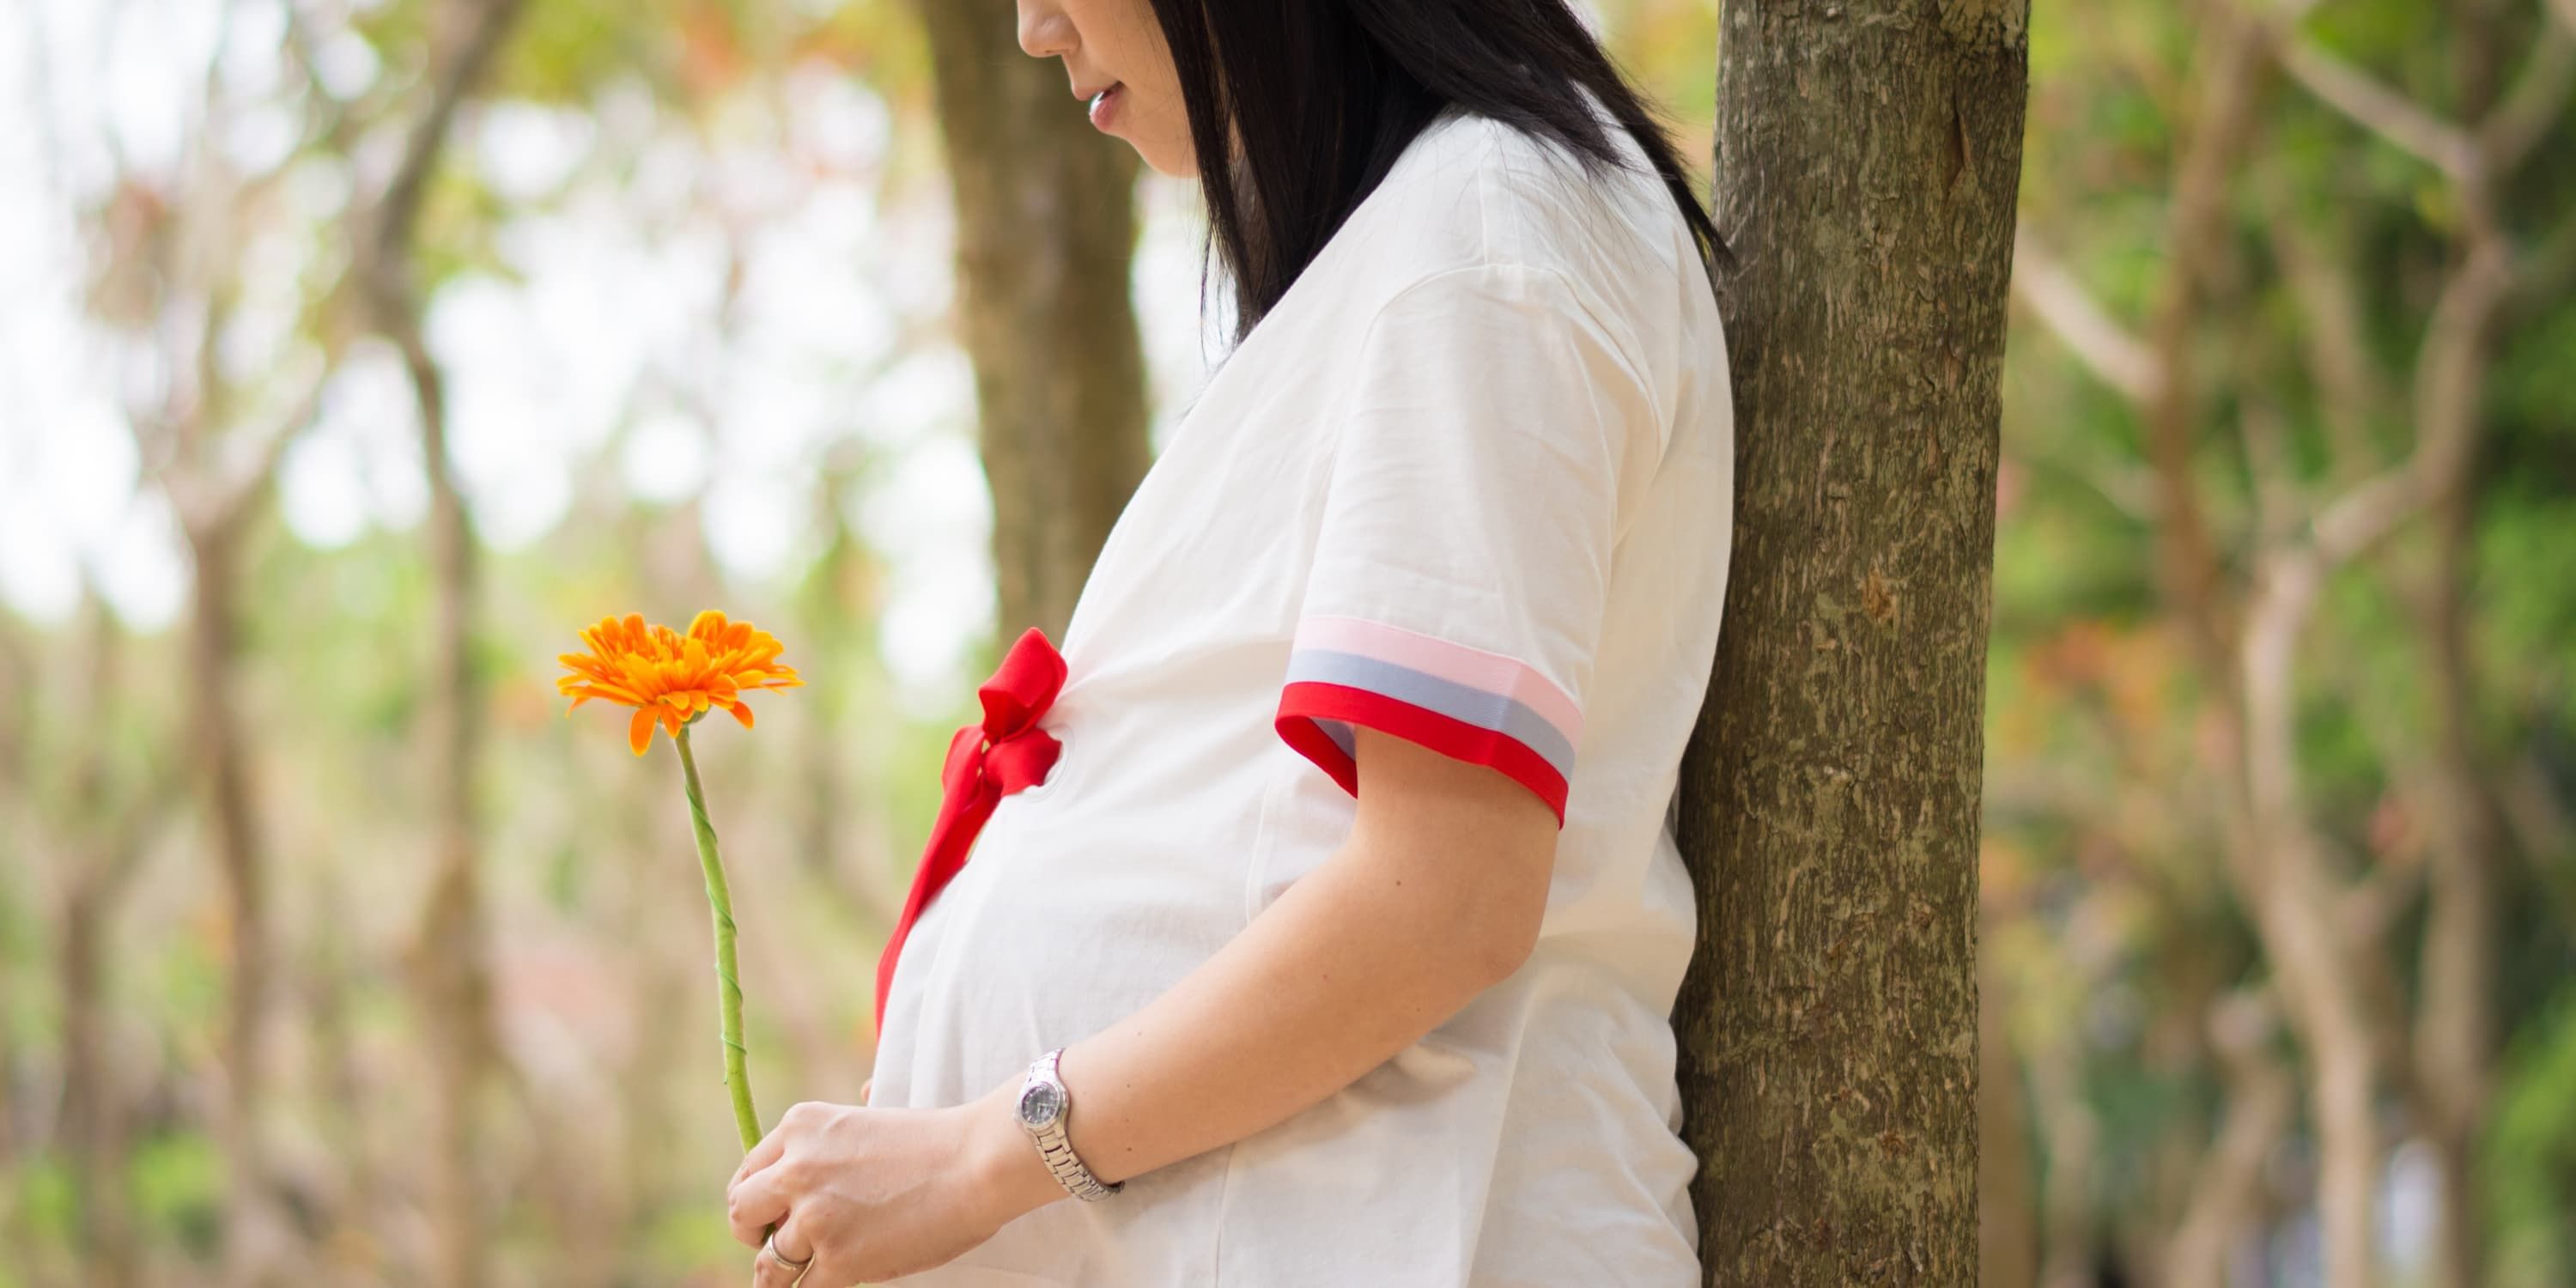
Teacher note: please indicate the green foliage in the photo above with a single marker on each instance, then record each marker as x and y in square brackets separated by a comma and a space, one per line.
[46, 1199]
[177, 1180]
[2531, 1153]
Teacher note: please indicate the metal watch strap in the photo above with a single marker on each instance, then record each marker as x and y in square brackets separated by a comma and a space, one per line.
[1056, 1148]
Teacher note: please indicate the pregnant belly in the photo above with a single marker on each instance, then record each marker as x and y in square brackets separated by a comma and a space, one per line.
[1065, 920]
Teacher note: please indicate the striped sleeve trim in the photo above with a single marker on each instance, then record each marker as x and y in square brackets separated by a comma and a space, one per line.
[1466, 703]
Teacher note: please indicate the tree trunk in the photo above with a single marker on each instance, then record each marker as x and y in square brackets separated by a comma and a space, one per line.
[360, 1212]
[451, 953]
[109, 831]
[449, 961]
[2455, 1036]
[2227, 1191]
[1046, 226]
[2455, 1024]
[253, 1228]
[1868, 157]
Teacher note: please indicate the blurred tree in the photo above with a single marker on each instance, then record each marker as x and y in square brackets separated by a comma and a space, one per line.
[110, 809]
[1046, 228]
[214, 488]
[450, 954]
[1868, 161]
[2249, 577]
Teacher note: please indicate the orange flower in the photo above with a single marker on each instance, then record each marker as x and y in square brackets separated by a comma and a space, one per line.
[674, 678]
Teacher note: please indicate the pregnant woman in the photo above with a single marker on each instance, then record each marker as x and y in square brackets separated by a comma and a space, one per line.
[1324, 920]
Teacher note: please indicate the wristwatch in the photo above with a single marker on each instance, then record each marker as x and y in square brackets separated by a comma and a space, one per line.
[1043, 1110]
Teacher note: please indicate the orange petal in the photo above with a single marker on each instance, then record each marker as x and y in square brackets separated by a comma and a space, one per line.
[742, 712]
[605, 692]
[592, 667]
[639, 731]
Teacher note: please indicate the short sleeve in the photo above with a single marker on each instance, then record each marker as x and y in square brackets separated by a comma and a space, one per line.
[1474, 496]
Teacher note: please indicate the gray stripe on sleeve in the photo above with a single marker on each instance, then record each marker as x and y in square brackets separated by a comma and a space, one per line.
[1478, 707]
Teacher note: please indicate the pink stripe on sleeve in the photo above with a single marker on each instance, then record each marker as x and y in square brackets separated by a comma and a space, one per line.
[1474, 667]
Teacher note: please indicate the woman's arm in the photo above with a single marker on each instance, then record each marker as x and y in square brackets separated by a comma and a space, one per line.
[1436, 896]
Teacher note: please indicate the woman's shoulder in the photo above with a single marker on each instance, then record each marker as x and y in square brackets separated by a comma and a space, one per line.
[1473, 191]
[1476, 197]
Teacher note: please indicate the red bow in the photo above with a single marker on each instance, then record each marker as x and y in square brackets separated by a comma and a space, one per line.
[986, 762]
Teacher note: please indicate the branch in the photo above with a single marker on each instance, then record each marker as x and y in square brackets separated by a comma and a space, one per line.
[2549, 269]
[2543, 833]
[336, 125]
[2106, 348]
[2227, 1184]
[2227, 64]
[233, 492]
[2377, 108]
[2449, 384]
[2338, 354]
[2534, 104]
[382, 253]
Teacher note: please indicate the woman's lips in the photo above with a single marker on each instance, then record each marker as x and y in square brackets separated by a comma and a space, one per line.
[1104, 105]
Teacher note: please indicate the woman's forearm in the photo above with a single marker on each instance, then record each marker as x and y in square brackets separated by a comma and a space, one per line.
[1344, 970]
[1401, 927]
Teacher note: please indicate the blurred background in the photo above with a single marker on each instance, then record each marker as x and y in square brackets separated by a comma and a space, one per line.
[354, 353]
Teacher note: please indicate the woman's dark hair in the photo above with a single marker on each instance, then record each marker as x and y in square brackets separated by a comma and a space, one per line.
[1324, 95]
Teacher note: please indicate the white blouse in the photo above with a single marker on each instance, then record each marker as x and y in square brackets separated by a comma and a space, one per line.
[1469, 483]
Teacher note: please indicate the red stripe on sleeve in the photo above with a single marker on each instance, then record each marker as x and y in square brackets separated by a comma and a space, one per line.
[1303, 703]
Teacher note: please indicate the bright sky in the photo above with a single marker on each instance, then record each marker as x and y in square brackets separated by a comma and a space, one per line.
[609, 316]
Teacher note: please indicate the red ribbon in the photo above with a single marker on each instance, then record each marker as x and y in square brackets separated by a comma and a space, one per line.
[986, 762]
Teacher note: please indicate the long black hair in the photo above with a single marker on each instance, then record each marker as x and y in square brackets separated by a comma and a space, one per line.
[1298, 108]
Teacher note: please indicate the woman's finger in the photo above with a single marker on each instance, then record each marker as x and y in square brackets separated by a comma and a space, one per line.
[770, 1268]
[865, 1088]
[761, 1155]
[756, 1204]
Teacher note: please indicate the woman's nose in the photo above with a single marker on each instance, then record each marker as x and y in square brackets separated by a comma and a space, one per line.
[1044, 30]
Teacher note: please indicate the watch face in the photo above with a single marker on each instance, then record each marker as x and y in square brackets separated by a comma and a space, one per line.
[1040, 1103]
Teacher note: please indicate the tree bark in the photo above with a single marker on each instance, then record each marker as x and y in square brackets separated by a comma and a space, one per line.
[1046, 227]
[1868, 158]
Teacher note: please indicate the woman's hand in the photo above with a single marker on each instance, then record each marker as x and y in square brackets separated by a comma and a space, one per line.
[871, 1194]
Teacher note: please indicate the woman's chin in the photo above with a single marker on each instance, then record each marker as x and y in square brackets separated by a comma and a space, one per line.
[1181, 163]
[1163, 154]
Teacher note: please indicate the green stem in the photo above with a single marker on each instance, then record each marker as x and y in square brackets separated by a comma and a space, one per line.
[728, 977]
